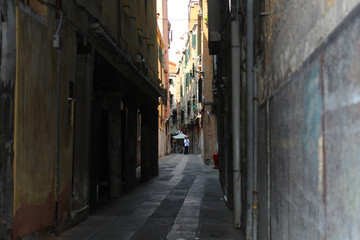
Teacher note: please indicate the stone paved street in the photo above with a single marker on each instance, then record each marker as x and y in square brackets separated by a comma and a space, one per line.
[184, 202]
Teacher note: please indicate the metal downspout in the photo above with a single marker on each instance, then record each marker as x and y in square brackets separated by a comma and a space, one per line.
[250, 114]
[235, 95]
[57, 143]
[255, 187]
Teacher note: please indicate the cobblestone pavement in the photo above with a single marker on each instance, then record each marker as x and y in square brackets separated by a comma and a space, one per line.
[184, 202]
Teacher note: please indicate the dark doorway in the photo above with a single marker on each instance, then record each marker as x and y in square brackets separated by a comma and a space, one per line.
[80, 95]
[138, 147]
[124, 117]
[99, 166]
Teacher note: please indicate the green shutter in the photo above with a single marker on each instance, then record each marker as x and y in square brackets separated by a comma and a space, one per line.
[188, 51]
[194, 40]
[161, 57]
[187, 54]
[199, 40]
[160, 52]
[192, 74]
[181, 90]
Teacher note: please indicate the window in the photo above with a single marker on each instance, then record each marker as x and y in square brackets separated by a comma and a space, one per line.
[161, 57]
[192, 73]
[199, 38]
[188, 107]
[194, 41]
[174, 117]
[200, 90]
[187, 54]
[171, 99]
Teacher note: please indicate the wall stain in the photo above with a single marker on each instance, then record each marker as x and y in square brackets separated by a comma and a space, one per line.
[29, 218]
[312, 121]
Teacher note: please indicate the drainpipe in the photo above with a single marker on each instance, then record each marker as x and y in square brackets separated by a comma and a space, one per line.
[236, 113]
[57, 138]
[255, 191]
[235, 95]
[56, 44]
[250, 113]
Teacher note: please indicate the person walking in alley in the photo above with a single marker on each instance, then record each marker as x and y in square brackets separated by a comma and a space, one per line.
[186, 145]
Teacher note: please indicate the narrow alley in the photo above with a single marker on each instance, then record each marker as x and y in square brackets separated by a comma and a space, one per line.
[183, 202]
[97, 96]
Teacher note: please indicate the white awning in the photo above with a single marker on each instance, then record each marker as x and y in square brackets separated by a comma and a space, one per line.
[180, 136]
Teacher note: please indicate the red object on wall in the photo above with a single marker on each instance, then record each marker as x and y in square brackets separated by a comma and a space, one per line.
[216, 160]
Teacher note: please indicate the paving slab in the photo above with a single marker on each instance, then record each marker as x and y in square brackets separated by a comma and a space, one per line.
[184, 202]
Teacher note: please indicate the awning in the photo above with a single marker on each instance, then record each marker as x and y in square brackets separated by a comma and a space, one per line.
[180, 136]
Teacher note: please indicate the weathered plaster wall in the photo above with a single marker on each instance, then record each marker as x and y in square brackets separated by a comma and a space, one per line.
[7, 85]
[292, 31]
[35, 123]
[309, 167]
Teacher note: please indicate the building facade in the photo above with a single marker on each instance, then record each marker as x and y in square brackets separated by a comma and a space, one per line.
[163, 69]
[286, 87]
[173, 100]
[195, 113]
[81, 89]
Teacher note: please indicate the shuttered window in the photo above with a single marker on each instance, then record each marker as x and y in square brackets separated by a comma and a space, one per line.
[194, 40]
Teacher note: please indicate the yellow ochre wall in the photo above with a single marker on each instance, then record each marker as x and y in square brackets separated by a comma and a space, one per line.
[35, 124]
